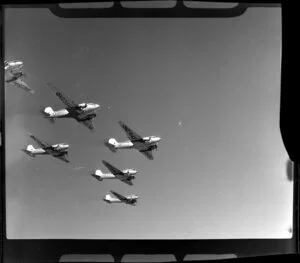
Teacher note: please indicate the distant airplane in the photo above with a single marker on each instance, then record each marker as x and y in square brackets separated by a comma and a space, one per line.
[129, 200]
[83, 112]
[145, 145]
[13, 75]
[59, 150]
[126, 176]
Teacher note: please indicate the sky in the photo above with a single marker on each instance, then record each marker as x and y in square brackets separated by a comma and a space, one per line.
[209, 87]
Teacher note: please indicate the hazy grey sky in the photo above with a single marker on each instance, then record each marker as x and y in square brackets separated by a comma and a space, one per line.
[209, 87]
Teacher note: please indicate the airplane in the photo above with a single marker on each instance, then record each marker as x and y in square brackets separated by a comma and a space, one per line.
[145, 145]
[59, 150]
[126, 176]
[83, 113]
[13, 75]
[129, 200]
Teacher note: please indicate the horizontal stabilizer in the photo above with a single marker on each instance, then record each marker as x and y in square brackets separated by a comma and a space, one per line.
[31, 154]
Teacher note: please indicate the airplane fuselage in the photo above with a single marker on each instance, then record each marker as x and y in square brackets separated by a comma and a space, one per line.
[87, 112]
[139, 145]
[55, 150]
[112, 200]
[125, 145]
[131, 200]
[101, 176]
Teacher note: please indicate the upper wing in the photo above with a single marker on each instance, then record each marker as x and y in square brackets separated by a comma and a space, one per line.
[132, 136]
[40, 143]
[148, 154]
[89, 124]
[120, 197]
[67, 101]
[63, 158]
[21, 84]
[111, 168]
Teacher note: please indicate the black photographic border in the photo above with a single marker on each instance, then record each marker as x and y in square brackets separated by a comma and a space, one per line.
[51, 250]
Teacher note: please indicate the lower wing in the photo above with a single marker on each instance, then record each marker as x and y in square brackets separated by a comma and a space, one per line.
[63, 158]
[124, 178]
[148, 154]
[89, 124]
[21, 84]
[129, 182]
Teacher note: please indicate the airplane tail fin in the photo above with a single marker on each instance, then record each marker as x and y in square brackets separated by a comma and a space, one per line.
[48, 113]
[107, 198]
[111, 144]
[97, 174]
[29, 150]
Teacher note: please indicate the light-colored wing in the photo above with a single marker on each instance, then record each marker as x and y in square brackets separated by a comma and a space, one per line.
[148, 154]
[120, 197]
[63, 158]
[89, 124]
[132, 136]
[111, 168]
[21, 84]
[42, 144]
[67, 101]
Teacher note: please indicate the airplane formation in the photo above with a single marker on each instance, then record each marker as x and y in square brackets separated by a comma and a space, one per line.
[83, 113]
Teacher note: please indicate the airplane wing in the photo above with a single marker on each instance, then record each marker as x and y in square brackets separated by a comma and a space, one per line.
[132, 136]
[21, 84]
[117, 173]
[148, 154]
[63, 158]
[111, 168]
[67, 101]
[89, 124]
[127, 182]
[120, 197]
[42, 144]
